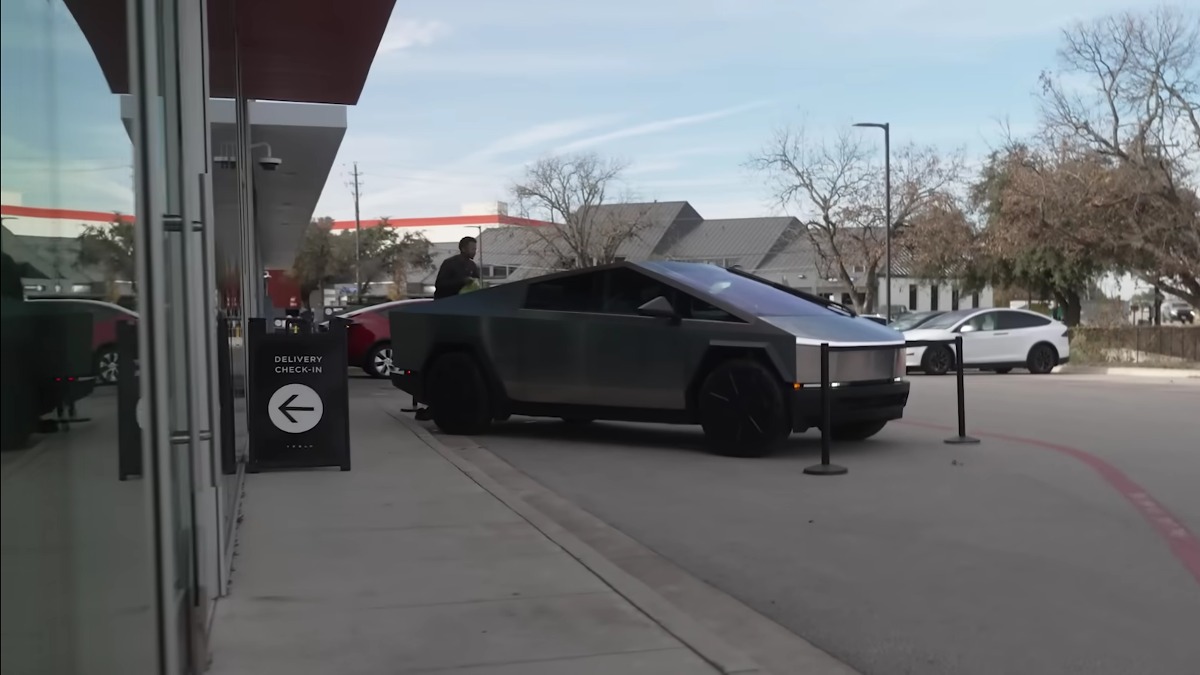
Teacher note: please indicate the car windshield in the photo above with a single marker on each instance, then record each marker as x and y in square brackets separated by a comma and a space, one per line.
[948, 319]
[745, 293]
[912, 320]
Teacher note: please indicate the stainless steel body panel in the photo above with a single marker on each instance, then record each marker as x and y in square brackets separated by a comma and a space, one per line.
[876, 365]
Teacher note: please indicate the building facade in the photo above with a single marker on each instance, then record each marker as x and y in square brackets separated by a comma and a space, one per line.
[776, 248]
[164, 154]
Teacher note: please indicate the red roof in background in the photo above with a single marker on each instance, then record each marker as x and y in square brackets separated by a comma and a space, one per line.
[441, 221]
[65, 214]
[308, 51]
[109, 216]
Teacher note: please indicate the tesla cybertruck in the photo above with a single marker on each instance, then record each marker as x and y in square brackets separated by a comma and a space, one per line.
[658, 341]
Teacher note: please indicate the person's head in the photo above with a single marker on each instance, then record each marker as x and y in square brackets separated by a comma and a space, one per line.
[468, 246]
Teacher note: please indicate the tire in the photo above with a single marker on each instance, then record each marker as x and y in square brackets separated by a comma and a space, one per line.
[857, 431]
[107, 365]
[458, 394]
[379, 360]
[742, 409]
[1042, 359]
[1003, 371]
[937, 360]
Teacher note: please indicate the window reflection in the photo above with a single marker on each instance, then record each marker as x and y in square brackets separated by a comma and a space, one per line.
[77, 583]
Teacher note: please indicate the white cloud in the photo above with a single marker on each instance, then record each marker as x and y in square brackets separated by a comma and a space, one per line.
[657, 127]
[508, 63]
[405, 33]
[540, 135]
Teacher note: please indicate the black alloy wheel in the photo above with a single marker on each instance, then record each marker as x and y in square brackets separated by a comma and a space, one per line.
[742, 409]
[1042, 359]
[937, 360]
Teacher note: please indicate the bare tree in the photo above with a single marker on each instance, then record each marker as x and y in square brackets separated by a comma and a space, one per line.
[1128, 91]
[571, 193]
[837, 190]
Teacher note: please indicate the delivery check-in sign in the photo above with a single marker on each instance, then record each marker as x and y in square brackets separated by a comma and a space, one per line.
[300, 399]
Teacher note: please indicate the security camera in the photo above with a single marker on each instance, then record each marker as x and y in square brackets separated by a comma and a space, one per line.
[270, 163]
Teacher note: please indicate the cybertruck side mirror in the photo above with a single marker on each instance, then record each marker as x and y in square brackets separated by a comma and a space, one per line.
[659, 307]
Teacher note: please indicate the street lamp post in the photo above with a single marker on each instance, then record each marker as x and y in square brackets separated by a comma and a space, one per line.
[887, 188]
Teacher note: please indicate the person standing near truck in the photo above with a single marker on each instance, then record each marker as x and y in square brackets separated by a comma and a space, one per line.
[457, 270]
[455, 274]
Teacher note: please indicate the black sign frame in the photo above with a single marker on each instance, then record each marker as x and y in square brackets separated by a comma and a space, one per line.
[129, 390]
[327, 443]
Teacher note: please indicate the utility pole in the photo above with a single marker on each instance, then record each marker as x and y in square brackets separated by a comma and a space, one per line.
[357, 240]
[887, 189]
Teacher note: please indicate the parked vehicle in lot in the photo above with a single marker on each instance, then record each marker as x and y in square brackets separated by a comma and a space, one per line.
[369, 336]
[993, 339]
[105, 316]
[1177, 310]
[881, 320]
[913, 320]
[669, 342]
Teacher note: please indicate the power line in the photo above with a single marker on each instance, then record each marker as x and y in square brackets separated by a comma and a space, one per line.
[357, 235]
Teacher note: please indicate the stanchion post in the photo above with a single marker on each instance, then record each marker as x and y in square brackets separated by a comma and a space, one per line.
[825, 468]
[962, 438]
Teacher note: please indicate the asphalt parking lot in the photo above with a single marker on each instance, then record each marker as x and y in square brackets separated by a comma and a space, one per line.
[1064, 543]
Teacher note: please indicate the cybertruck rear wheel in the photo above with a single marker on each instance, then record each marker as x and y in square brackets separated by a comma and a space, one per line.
[458, 394]
[742, 409]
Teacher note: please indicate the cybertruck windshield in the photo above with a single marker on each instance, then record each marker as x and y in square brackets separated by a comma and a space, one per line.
[741, 291]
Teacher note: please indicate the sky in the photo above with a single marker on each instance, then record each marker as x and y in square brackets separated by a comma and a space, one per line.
[465, 93]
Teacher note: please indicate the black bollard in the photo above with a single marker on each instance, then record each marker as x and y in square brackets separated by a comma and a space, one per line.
[825, 468]
[962, 438]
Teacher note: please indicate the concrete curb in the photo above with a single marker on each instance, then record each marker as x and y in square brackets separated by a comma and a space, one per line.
[1130, 371]
[707, 645]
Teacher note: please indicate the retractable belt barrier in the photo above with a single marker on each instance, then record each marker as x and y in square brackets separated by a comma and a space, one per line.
[826, 467]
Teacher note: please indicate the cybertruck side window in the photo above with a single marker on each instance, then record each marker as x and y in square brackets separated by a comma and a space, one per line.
[577, 293]
[625, 290]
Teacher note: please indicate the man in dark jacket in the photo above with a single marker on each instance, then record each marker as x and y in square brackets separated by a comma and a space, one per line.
[457, 270]
[455, 273]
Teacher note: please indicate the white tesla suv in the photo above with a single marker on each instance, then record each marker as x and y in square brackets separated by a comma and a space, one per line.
[993, 339]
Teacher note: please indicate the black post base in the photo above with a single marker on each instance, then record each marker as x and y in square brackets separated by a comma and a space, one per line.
[961, 440]
[826, 470]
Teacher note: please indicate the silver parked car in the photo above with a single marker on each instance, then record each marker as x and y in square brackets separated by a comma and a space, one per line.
[668, 342]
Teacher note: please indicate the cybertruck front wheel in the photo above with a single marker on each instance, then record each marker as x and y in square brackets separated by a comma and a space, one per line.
[458, 394]
[742, 409]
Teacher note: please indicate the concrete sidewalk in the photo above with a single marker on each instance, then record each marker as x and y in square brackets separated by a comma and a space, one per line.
[407, 565]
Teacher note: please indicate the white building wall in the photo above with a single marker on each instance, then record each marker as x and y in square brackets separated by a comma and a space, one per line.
[902, 295]
[441, 234]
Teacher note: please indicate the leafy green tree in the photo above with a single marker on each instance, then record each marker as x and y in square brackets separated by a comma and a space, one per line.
[111, 249]
[317, 262]
[381, 253]
[1038, 225]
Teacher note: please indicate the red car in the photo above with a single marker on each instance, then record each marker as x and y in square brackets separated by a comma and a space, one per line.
[369, 337]
[105, 316]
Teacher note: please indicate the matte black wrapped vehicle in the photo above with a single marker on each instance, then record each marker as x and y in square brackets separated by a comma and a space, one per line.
[658, 341]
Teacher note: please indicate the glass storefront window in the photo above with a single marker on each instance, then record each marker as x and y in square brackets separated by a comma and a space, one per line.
[78, 590]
